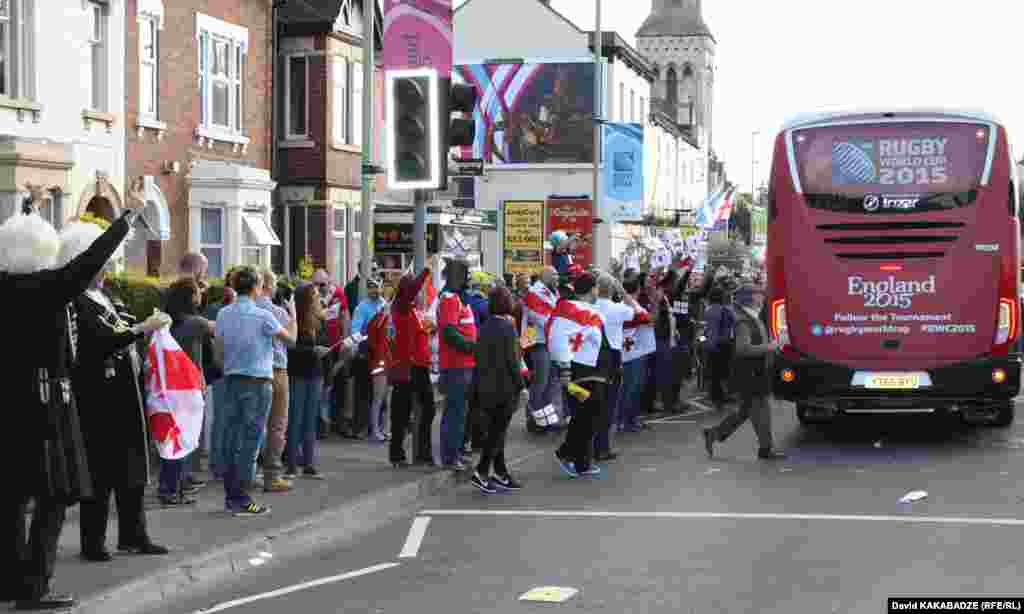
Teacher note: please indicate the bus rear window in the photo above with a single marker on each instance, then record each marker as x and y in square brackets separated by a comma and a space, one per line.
[897, 162]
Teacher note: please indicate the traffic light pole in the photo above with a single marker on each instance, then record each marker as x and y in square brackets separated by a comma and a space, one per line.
[366, 250]
[419, 229]
[598, 106]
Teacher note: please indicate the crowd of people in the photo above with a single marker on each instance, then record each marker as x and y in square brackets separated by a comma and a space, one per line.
[583, 352]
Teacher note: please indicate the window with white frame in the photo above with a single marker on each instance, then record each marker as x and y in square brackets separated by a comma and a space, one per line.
[52, 209]
[297, 86]
[339, 69]
[356, 105]
[212, 238]
[149, 67]
[100, 54]
[222, 58]
[17, 67]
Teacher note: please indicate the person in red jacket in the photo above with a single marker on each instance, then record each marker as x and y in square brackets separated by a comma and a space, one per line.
[455, 353]
[379, 343]
[410, 372]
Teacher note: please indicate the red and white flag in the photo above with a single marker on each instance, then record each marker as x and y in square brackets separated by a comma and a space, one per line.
[574, 333]
[174, 399]
[540, 303]
[638, 337]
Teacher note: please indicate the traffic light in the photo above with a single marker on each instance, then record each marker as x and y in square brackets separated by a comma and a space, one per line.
[413, 113]
[459, 131]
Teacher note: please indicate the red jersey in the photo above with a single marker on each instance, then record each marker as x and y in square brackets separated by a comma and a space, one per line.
[335, 307]
[379, 342]
[412, 336]
[452, 312]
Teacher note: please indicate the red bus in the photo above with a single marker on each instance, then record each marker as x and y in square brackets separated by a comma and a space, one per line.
[893, 265]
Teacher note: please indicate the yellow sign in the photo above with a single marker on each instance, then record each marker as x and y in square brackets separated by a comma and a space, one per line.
[686, 230]
[893, 381]
[524, 236]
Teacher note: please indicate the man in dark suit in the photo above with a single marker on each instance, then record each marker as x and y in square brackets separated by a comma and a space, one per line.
[48, 451]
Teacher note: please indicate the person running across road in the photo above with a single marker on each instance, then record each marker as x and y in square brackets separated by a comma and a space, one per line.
[752, 374]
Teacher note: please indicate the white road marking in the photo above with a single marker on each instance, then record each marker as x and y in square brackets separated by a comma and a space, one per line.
[729, 516]
[416, 533]
[227, 605]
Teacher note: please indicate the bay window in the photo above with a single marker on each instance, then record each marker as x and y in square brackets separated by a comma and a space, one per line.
[339, 70]
[149, 67]
[212, 239]
[100, 54]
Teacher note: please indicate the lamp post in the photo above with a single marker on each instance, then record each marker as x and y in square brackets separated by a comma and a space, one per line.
[598, 106]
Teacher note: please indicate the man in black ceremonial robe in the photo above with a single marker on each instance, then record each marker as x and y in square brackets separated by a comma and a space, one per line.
[43, 443]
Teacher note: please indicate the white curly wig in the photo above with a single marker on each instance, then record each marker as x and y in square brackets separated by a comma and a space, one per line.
[76, 237]
[28, 244]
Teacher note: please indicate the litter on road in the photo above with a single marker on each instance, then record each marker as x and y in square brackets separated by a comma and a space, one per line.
[549, 594]
[914, 495]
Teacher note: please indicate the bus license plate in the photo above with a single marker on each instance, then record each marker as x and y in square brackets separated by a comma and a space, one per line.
[893, 381]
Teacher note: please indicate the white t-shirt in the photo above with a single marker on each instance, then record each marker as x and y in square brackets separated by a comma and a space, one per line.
[614, 316]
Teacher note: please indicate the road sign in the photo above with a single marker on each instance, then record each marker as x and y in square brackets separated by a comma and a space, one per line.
[468, 167]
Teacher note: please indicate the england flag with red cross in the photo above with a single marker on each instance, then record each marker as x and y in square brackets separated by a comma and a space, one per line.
[174, 397]
[574, 333]
[638, 338]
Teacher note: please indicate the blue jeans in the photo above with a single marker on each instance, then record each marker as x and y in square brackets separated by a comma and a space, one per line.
[544, 384]
[454, 383]
[304, 395]
[246, 406]
[171, 474]
[634, 375]
[217, 456]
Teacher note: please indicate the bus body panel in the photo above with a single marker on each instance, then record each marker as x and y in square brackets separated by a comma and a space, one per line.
[893, 292]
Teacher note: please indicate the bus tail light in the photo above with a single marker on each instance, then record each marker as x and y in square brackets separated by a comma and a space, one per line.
[780, 329]
[787, 376]
[1007, 328]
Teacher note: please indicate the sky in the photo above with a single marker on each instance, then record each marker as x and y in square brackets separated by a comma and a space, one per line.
[778, 58]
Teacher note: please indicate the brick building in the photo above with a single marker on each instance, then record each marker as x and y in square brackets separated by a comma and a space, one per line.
[198, 117]
[320, 68]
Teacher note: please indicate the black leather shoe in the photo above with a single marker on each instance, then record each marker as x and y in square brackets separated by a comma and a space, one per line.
[50, 601]
[97, 556]
[769, 454]
[148, 548]
[607, 456]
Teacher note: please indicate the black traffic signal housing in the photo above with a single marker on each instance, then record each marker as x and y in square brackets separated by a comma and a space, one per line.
[459, 131]
[414, 130]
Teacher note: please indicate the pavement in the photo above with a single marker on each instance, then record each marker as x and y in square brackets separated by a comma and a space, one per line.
[667, 530]
[360, 493]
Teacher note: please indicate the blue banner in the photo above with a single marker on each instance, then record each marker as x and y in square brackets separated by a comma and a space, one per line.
[624, 172]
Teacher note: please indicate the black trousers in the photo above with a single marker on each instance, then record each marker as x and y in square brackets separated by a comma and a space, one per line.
[578, 446]
[29, 553]
[131, 517]
[402, 395]
[363, 395]
[495, 421]
[719, 362]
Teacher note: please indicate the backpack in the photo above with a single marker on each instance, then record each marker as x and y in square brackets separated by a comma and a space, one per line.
[722, 335]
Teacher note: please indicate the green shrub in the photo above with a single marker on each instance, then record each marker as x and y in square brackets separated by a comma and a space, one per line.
[140, 294]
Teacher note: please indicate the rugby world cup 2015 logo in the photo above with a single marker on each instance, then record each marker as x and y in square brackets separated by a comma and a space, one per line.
[852, 163]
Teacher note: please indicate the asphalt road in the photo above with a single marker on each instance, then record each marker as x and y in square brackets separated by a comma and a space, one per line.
[666, 530]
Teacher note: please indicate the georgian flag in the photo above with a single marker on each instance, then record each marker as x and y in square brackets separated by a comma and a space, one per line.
[638, 338]
[174, 399]
[574, 333]
[540, 304]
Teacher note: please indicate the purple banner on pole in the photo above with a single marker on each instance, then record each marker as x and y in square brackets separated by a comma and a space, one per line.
[418, 34]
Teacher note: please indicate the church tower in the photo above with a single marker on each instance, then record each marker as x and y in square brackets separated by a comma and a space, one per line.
[677, 41]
